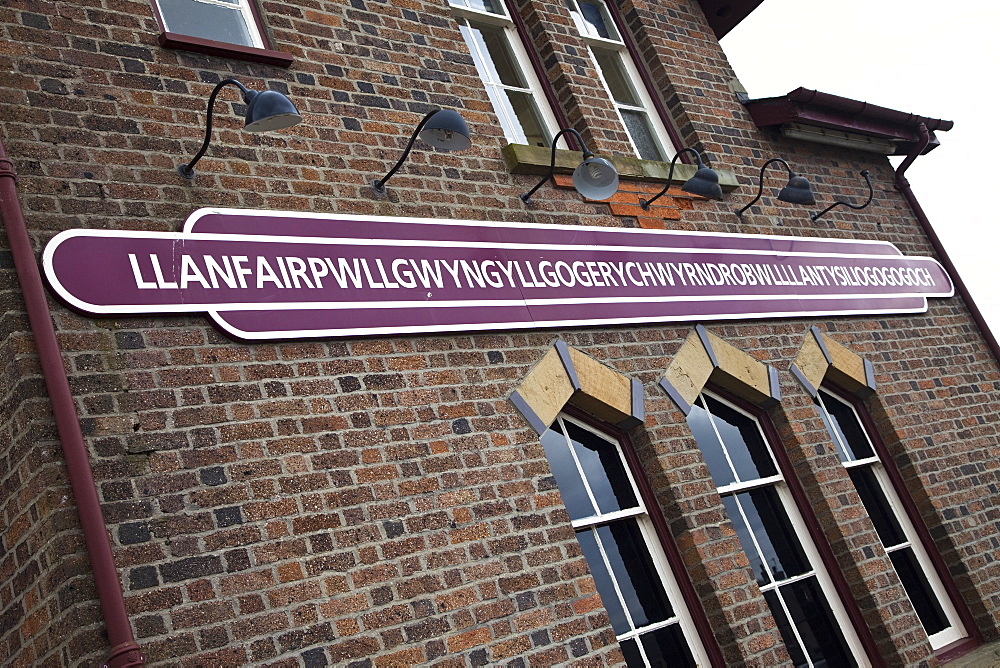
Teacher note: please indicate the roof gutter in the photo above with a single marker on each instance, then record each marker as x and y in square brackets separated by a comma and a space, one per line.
[866, 110]
[897, 131]
[124, 650]
[903, 185]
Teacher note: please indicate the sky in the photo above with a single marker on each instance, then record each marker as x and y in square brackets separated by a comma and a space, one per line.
[927, 58]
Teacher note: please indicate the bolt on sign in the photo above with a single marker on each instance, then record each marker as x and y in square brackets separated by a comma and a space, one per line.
[284, 275]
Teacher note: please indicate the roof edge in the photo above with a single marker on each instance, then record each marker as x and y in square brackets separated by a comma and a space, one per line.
[724, 15]
[832, 112]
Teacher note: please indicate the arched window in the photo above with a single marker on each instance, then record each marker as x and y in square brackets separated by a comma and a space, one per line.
[581, 408]
[836, 376]
[898, 534]
[723, 392]
[618, 539]
[785, 563]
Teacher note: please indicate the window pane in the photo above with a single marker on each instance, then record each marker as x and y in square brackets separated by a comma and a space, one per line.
[602, 578]
[711, 449]
[503, 63]
[667, 647]
[200, 19]
[630, 649]
[633, 570]
[775, 534]
[505, 114]
[596, 21]
[567, 475]
[795, 652]
[615, 76]
[760, 573]
[919, 590]
[886, 525]
[523, 106]
[498, 66]
[845, 422]
[744, 442]
[603, 469]
[473, 35]
[816, 624]
[491, 6]
[637, 124]
[780, 550]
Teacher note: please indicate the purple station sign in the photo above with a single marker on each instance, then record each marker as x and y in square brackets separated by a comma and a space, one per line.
[278, 275]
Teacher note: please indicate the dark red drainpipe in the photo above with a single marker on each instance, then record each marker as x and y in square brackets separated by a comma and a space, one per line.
[124, 650]
[903, 186]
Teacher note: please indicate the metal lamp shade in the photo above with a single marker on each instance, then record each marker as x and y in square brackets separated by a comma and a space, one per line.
[269, 110]
[446, 130]
[705, 182]
[596, 178]
[797, 191]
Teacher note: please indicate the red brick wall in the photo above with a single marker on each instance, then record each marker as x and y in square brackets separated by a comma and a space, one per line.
[48, 612]
[296, 503]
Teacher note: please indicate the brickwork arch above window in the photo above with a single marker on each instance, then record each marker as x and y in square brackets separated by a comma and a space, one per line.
[822, 359]
[567, 376]
[704, 358]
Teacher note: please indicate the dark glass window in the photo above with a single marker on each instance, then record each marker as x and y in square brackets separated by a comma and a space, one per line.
[846, 430]
[624, 555]
[734, 448]
[894, 527]
[772, 534]
[766, 535]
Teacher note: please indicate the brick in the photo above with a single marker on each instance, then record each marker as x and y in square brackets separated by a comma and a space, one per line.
[272, 502]
[463, 641]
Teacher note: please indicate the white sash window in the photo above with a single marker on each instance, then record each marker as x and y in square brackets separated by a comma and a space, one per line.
[625, 557]
[785, 562]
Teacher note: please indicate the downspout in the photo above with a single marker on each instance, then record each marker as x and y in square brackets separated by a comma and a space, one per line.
[903, 185]
[124, 650]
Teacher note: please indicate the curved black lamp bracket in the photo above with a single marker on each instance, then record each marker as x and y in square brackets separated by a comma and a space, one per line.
[378, 185]
[760, 190]
[187, 170]
[670, 175]
[871, 196]
[552, 161]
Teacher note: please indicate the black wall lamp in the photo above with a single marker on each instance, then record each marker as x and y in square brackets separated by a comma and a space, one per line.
[705, 181]
[266, 111]
[594, 178]
[871, 195]
[443, 129]
[797, 191]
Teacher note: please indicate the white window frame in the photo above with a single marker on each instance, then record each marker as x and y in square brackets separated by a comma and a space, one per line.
[659, 131]
[682, 615]
[241, 6]
[801, 530]
[957, 630]
[496, 90]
